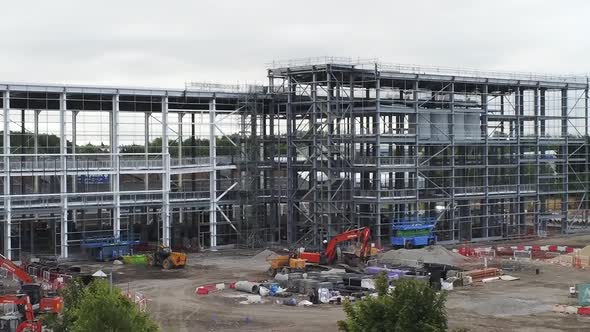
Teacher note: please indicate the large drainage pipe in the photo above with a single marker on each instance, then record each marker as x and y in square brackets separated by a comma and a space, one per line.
[247, 286]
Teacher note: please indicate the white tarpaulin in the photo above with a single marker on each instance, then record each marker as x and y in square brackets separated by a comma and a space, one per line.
[99, 274]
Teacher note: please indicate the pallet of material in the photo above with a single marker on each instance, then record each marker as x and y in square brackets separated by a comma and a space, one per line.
[482, 273]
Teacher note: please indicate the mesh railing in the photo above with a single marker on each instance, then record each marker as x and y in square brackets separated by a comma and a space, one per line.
[372, 63]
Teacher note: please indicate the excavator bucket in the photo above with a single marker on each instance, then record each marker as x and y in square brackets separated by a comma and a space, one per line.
[279, 262]
[178, 259]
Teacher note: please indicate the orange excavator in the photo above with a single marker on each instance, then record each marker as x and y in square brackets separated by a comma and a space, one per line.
[363, 235]
[301, 260]
[40, 301]
[17, 324]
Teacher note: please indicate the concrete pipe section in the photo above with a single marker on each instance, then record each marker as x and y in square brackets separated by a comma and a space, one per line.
[247, 286]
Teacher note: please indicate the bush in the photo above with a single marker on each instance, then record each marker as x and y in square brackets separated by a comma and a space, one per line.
[98, 308]
[411, 306]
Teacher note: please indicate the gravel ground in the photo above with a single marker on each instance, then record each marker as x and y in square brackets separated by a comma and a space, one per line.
[523, 305]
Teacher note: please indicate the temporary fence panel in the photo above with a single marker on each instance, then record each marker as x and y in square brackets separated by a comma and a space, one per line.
[520, 255]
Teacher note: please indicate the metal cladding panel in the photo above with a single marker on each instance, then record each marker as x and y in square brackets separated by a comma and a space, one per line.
[439, 127]
[472, 126]
[459, 126]
[424, 132]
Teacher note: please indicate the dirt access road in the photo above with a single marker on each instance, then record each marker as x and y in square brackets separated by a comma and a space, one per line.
[523, 305]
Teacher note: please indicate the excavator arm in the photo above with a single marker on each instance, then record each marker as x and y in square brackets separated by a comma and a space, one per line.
[363, 234]
[19, 300]
[29, 324]
[21, 274]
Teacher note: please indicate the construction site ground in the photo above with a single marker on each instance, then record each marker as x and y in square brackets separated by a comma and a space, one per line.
[522, 305]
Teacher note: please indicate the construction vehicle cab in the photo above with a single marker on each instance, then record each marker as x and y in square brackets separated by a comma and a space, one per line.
[23, 320]
[9, 323]
[41, 300]
[166, 258]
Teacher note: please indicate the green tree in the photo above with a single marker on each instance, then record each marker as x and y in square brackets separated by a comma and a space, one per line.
[411, 306]
[98, 308]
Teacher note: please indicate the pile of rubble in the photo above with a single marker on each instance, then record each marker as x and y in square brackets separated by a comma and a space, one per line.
[428, 255]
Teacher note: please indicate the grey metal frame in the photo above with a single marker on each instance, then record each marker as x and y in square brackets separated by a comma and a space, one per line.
[330, 144]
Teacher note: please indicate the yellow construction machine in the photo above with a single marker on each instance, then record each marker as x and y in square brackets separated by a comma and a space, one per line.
[167, 258]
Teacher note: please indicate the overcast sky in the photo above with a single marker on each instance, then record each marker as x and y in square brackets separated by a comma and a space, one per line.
[166, 43]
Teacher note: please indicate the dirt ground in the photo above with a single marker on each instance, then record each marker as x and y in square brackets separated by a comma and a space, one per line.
[523, 305]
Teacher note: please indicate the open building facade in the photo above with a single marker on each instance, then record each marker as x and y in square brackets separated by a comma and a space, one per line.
[326, 145]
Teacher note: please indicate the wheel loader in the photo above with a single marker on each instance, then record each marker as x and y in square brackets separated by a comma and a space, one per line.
[167, 259]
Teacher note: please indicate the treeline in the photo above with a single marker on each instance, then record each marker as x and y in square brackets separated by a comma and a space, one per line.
[49, 143]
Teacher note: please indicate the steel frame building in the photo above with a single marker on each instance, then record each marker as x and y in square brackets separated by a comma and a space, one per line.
[329, 144]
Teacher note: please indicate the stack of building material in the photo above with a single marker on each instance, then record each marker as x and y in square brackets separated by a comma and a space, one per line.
[482, 273]
[391, 273]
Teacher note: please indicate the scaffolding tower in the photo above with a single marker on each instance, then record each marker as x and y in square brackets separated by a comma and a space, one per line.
[489, 155]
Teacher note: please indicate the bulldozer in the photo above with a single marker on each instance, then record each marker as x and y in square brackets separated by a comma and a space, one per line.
[167, 259]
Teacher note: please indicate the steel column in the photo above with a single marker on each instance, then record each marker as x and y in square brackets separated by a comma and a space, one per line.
[116, 164]
[377, 155]
[165, 176]
[7, 202]
[486, 151]
[146, 145]
[212, 176]
[565, 152]
[63, 146]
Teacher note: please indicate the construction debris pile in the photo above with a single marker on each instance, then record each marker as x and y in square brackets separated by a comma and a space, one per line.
[317, 284]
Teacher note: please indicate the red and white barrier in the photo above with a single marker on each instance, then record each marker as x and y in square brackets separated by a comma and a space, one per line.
[509, 250]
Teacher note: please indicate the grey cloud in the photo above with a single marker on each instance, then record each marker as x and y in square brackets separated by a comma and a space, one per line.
[165, 43]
